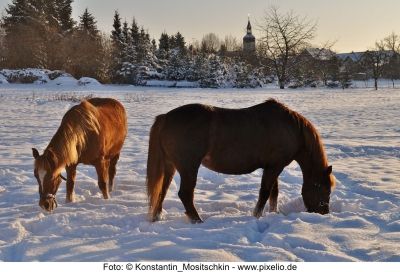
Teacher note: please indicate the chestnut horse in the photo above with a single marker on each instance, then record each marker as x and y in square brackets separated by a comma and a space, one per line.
[92, 133]
[236, 141]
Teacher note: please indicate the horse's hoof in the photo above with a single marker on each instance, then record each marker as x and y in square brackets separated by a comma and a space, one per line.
[69, 199]
[257, 214]
[196, 221]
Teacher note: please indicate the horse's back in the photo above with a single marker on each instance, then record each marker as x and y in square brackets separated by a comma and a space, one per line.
[113, 125]
[185, 132]
[232, 141]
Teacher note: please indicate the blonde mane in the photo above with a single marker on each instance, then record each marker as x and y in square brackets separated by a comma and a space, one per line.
[71, 137]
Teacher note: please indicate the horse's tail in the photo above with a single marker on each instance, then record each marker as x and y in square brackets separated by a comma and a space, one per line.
[155, 165]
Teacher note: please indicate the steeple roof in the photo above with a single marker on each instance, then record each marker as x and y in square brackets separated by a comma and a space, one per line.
[249, 27]
[249, 36]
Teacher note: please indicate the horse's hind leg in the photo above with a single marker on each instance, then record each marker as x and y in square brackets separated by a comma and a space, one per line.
[273, 198]
[269, 178]
[112, 171]
[169, 172]
[71, 175]
[186, 194]
[102, 168]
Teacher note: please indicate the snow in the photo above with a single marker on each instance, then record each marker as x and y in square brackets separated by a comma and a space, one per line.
[84, 81]
[3, 79]
[64, 80]
[361, 133]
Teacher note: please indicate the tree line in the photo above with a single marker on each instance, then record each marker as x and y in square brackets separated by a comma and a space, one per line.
[43, 34]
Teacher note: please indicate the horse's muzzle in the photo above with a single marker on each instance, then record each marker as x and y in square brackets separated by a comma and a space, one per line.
[321, 208]
[48, 203]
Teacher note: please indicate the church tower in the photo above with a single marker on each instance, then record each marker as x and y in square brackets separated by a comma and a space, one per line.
[249, 41]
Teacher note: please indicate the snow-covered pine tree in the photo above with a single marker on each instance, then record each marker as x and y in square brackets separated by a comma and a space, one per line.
[246, 76]
[215, 73]
[197, 67]
[128, 71]
[177, 67]
[146, 60]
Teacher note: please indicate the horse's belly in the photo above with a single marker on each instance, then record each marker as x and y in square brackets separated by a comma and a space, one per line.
[229, 166]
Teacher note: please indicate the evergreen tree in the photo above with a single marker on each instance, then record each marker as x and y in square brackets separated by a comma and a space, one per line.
[172, 42]
[177, 66]
[64, 13]
[197, 68]
[116, 49]
[24, 21]
[164, 42]
[87, 50]
[180, 42]
[88, 24]
[134, 31]
[214, 76]
[116, 33]
[153, 46]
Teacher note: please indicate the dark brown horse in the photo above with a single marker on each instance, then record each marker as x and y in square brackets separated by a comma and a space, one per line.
[93, 133]
[236, 141]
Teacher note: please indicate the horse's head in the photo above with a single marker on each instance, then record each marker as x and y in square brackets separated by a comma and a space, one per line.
[48, 178]
[316, 193]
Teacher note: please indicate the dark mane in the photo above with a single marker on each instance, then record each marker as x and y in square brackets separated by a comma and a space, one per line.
[312, 139]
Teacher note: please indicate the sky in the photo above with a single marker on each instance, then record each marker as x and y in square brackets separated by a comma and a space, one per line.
[354, 25]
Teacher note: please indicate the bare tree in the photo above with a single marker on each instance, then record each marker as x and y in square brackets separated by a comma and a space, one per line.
[392, 42]
[375, 61]
[210, 43]
[392, 69]
[283, 37]
[231, 43]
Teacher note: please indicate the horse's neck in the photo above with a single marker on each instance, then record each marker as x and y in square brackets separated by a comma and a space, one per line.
[311, 161]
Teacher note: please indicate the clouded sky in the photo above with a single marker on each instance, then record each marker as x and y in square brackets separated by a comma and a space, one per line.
[353, 24]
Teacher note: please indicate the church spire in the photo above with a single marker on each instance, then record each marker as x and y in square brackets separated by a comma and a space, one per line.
[249, 41]
[248, 24]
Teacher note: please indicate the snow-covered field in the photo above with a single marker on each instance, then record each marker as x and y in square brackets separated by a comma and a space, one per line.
[361, 132]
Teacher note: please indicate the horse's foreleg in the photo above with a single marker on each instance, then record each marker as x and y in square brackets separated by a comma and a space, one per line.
[102, 167]
[186, 194]
[112, 171]
[269, 178]
[71, 175]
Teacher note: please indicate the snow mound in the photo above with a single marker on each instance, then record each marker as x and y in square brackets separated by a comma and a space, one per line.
[85, 81]
[160, 83]
[29, 75]
[3, 79]
[65, 80]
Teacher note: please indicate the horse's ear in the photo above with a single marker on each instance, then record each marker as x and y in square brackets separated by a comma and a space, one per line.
[329, 170]
[35, 153]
